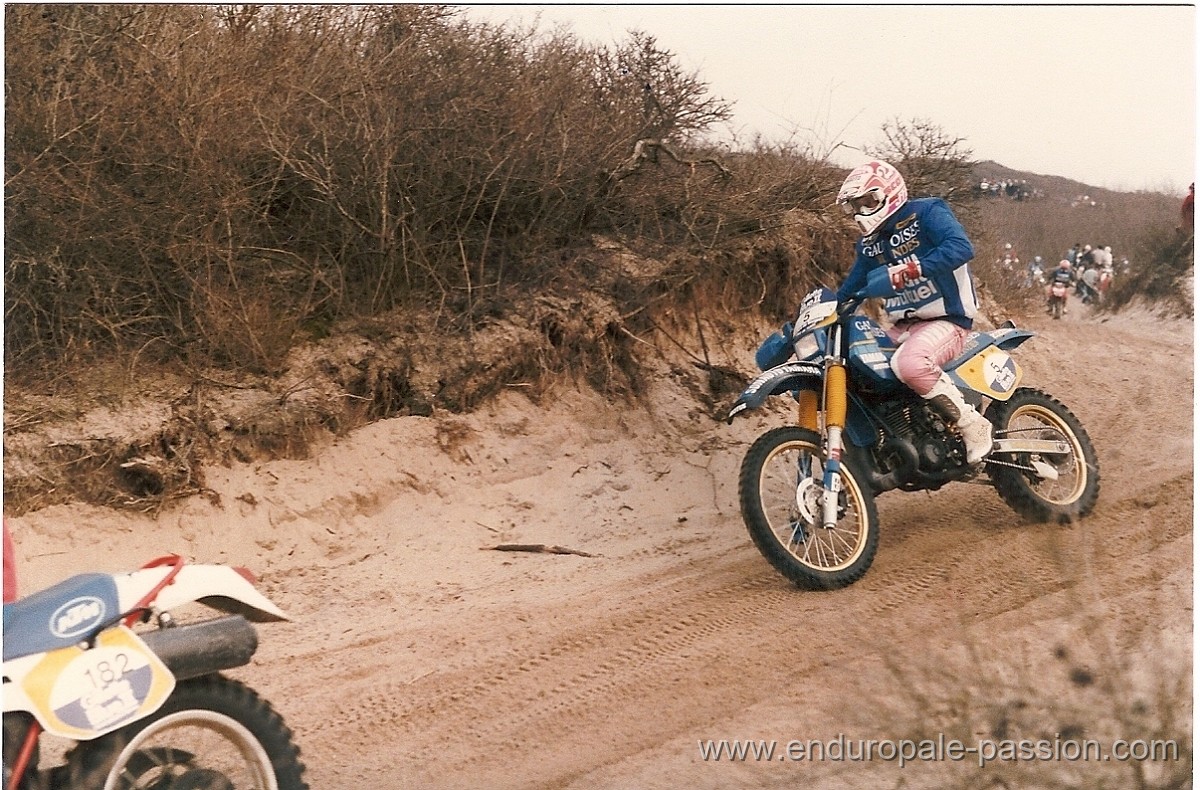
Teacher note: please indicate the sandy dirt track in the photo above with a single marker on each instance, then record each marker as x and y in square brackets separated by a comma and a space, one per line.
[420, 658]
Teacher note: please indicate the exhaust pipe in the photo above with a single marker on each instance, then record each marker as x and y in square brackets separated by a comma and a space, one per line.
[202, 648]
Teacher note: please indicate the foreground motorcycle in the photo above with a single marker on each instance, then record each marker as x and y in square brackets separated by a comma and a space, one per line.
[807, 492]
[144, 709]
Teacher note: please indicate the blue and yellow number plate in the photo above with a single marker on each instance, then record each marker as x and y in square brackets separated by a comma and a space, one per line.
[82, 694]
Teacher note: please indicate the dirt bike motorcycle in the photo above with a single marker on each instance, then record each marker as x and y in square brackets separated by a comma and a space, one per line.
[1058, 299]
[142, 709]
[807, 491]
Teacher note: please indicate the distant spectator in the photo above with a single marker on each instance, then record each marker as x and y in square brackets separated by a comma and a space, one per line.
[1082, 263]
[1106, 280]
[1009, 259]
[1187, 212]
[1064, 275]
[1036, 273]
[1073, 254]
[1091, 283]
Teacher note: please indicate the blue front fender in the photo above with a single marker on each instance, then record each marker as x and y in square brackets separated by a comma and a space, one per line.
[776, 381]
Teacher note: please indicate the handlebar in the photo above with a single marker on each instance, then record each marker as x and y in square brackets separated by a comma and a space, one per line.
[846, 309]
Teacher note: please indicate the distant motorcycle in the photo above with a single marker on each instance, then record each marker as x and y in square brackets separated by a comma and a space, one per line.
[807, 491]
[145, 709]
[1058, 299]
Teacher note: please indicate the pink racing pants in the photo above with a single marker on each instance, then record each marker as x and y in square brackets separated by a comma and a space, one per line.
[924, 347]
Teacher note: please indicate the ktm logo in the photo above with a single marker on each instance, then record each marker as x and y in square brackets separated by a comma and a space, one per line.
[77, 617]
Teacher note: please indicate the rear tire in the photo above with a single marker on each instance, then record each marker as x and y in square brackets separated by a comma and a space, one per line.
[1033, 413]
[808, 555]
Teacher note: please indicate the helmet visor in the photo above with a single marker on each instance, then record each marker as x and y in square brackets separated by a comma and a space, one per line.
[867, 203]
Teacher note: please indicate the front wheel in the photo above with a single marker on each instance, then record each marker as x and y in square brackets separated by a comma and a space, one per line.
[212, 732]
[1033, 414]
[779, 489]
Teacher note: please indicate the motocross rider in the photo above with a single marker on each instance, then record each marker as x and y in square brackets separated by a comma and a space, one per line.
[1063, 274]
[925, 251]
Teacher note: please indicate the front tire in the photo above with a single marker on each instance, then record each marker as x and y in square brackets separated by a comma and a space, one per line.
[1034, 414]
[212, 732]
[778, 464]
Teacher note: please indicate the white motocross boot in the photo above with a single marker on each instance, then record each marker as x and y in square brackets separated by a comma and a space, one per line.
[974, 427]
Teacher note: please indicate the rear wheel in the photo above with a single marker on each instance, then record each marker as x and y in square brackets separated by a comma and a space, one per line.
[780, 494]
[1033, 414]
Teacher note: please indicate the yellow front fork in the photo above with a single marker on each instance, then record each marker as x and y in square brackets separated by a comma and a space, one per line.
[835, 396]
[835, 420]
[808, 410]
[835, 402]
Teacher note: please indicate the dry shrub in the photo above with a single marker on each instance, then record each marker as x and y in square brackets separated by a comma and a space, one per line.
[165, 162]
[142, 474]
[1049, 226]
[1162, 275]
[223, 182]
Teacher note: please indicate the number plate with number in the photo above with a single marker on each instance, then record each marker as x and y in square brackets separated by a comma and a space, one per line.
[82, 694]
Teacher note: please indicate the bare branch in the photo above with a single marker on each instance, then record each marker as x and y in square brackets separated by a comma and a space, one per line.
[643, 152]
[537, 548]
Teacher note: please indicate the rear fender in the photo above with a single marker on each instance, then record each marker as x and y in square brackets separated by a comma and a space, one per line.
[776, 381]
[217, 586]
[1009, 338]
[1006, 338]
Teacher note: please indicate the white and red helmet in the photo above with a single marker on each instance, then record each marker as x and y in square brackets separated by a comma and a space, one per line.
[872, 193]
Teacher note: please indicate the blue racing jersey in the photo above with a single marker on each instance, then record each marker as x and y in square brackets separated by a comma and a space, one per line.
[924, 229]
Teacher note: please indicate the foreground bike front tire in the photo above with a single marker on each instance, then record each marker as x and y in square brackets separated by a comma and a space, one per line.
[809, 555]
[211, 732]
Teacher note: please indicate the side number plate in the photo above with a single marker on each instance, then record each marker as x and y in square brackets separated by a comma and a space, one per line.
[83, 694]
[993, 372]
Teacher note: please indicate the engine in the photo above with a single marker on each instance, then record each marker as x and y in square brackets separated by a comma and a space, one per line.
[915, 449]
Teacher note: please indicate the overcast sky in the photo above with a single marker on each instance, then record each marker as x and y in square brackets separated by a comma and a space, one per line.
[1105, 95]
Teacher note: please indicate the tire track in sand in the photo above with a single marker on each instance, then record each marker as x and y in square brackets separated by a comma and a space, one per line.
[578, 681]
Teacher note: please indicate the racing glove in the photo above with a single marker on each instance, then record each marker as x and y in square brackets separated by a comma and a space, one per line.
[904, 273]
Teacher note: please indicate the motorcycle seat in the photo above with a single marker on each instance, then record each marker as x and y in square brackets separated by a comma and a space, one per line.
[59, 616]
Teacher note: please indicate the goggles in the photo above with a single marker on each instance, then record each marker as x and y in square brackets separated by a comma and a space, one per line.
[867, 203]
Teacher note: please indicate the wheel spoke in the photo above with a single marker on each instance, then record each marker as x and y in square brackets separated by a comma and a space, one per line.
[837, 534]
[1044, 424]
[812, 544]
